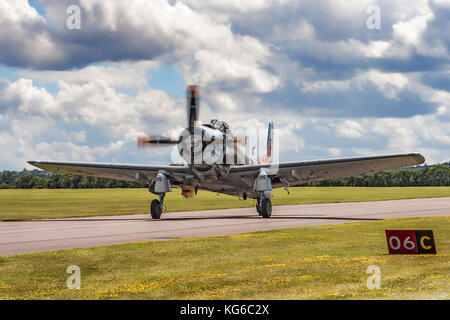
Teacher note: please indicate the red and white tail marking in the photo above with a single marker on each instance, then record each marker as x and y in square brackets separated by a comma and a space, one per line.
[268, 156]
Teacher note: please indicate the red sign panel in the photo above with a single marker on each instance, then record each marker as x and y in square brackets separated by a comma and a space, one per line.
[402, 241]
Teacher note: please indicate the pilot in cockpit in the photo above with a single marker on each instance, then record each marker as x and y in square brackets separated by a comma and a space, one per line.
[221, 125]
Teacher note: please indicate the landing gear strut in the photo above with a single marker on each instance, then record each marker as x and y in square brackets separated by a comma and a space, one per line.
[162, 185]
[263, 186]
[157, 206]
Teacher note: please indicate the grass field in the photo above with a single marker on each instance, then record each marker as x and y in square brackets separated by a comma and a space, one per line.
[38, 204]
[324, 262]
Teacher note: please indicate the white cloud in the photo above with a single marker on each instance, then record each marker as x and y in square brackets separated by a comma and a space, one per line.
[34, 135]
[81, 122]
[118, 75]
[350, 129]
[326, 86]
[376, 49]
[28, 99]
[79, 136]
[236, 64]
[31, 44]
[388, 83]
[223, 101]
[231, 5]
[334, 152]
[256, 61]
[411, 31]
[17, 11]
[207, 50]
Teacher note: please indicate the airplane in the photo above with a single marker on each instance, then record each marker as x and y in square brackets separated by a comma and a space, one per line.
[246, 175]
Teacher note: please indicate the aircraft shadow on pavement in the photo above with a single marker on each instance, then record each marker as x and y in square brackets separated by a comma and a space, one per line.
[248, 217]
[254, 217]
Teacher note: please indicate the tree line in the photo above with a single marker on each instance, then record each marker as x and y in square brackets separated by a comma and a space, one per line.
[36, 179]
[437, 175]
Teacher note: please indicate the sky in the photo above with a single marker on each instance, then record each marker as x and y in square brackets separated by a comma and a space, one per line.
[337, 79]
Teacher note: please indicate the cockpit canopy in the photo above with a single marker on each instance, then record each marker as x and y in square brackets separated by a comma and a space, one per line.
[221, 125]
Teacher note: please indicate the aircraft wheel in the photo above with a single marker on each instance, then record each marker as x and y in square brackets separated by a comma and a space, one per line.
[155, 209]
[266, 208]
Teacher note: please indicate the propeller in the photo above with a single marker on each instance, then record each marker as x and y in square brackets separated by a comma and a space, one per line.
[189, 189]
[192, 116]
[193, 108]
[146, 141]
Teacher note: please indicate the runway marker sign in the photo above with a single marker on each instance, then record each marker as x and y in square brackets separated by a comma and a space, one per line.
[410, 242]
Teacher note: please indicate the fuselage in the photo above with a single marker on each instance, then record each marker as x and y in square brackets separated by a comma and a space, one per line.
[207, 145]
[211, 150]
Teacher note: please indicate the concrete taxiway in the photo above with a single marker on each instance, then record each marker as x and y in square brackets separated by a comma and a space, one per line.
[58, 234]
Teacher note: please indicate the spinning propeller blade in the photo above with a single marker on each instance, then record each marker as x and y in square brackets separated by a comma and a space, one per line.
[193, 108]
[147, 141]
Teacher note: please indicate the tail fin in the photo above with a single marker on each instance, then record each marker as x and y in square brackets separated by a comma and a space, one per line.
[268, 157]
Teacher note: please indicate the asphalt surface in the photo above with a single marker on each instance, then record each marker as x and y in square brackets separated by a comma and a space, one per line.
[57, 234]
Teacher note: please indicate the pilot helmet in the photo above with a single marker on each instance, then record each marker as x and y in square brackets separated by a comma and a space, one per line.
[221, 125]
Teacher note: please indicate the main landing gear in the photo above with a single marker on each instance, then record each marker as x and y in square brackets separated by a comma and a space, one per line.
[263, 186]
[264, 207]
[162, 185]
[157, 206]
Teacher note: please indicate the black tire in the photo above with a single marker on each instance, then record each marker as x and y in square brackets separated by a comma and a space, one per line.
[266, 208]
[155, 209]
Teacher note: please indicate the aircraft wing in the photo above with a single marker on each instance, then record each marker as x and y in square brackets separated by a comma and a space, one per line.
[295, 173]
[127, 172]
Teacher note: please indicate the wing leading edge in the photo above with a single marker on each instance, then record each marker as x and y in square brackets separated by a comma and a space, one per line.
[295, 173]
[291, 173]
[126, 172]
